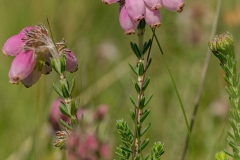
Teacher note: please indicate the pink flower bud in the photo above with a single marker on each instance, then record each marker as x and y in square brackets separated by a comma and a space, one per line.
[153, 4]
[31, 79]
[13, 46]
[22, 65]
[71, 63]
[135, 9]
[153, 17]
[126, 22]
[104, 151]
[173, 5]
[109, 2]
[100, 112]
[91, 142]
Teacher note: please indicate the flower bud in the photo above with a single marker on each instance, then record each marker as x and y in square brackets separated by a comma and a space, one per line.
[222, 45]
[153, 17]
[22, 65]
[13, 46]
[174, 5]
[135, 9]
[126, 22]
[31, 79]
[153, 4]
[100, 112]
[71, 61]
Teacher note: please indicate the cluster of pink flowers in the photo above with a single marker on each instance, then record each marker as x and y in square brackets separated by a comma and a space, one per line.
[86, 147]
[32, 48]
[132, 11]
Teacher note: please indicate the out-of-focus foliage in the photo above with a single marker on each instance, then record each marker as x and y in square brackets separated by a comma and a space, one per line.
[92, 31]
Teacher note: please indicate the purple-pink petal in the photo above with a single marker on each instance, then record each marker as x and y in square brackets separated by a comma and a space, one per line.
[13, 46]
[153, 4]
[71, 61]
[135, 9]
[126, 22]
[31, 79]
[174, 5]
[153, 17]
[22, 65]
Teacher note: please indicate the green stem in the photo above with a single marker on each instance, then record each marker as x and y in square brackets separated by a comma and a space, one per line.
[178, 95]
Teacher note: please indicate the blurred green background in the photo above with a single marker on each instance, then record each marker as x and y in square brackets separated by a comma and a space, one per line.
[92, 31]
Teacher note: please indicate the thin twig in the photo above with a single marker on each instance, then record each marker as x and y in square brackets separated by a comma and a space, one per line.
[203, 76]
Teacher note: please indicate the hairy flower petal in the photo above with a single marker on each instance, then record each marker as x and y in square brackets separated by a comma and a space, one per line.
[153, 17]
[135, 9]
[31, 79]
[13, 45]
[126, 22]
[153, 4]
[173, 5]
[22, 65]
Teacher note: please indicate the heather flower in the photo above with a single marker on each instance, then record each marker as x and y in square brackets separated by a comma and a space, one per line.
[100, 112]
[132, 11]
[21, 66]
[38, 47]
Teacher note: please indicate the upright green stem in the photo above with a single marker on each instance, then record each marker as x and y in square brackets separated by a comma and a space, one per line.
[138, 110]
[178, 95]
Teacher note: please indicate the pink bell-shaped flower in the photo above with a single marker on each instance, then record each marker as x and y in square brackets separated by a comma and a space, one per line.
[174, 5]
[71, 61]
[13, 46]
[126, 22]
[135, 9]
[31, 79]
[153, 4]
[22, 65]
[153, 17]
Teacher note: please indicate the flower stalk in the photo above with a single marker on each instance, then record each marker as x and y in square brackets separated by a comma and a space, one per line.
[222, 47]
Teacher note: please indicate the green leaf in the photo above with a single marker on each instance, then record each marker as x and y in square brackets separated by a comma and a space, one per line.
[132, 115]
[54, 66]
[136, 86]
[145, 129]
[140, 68]
[57, 90]
[65, 124]
[149, 98]
[65, 91]
[135, 49]
[64, 110]
[62, 60]
[72, 86]
[142, 102]
[146, 157]
[144, 116]
[125, 149]
[144, 144]
[73, 108]
[132, 68]
[146, 82]
[135, 105]
[146, 46]
[148, 63]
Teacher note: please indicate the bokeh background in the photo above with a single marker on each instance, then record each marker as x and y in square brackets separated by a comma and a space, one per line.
[92, 31]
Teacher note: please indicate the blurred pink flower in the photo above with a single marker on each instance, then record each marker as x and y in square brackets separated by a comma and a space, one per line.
[100, 112]
[105, 151]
